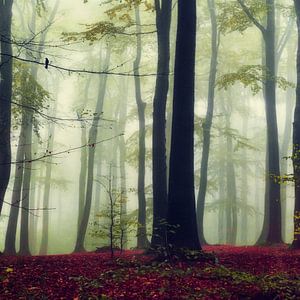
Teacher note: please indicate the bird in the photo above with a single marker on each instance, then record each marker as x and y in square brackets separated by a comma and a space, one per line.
[46, 63]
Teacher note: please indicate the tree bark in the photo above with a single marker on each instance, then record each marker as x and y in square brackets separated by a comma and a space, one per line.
[5, 95]
[159, 164]
[10, 239]
[296, 142]
[181, 198]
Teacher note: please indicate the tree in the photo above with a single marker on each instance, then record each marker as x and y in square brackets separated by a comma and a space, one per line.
[159, 165]
[271, 232]
[208, 120]
[181, 198]
[142, 241]
[5, 95]
[296, 142]
[91, 158]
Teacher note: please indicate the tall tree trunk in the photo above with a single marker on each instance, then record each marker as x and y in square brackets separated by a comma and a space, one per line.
[159, 164]
[142, 241]
[208, 120]
[181, 198]
[83, 164]
[45, 224]
[122, 159]
[24, 233]
[93, 132]
[231, 186]
[296, 142]
[287, 133]
[244, 183]
[5, 95]
[271, 233]
[10, 239]
[221, 193]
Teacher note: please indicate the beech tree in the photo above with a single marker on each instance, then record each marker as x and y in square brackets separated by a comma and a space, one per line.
[5, 95]
[159, 171]
[296, 141]
[181, 197]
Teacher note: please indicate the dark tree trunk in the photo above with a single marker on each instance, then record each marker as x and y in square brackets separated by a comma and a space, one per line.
[296, 142]
[208, 120]
[159, 170]
[5, 95]
[271, 232]
[181, 198]
[10, 239]
[91, 158]
[142, 241]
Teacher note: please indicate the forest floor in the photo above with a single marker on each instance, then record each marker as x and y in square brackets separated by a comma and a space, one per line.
[240, 273]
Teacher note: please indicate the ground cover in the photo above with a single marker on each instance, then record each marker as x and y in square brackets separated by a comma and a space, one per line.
[238, 273]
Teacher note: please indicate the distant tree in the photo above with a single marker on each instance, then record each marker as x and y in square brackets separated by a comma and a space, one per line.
[142, 241]
[207, 123]
[5, 95]
[79, 246]
[181, 198]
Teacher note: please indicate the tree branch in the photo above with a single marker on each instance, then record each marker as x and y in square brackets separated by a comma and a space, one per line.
[251, 17]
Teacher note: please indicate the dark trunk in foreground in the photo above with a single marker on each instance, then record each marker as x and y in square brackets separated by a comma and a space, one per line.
[5, 95]
[181, 199]
[296, 142]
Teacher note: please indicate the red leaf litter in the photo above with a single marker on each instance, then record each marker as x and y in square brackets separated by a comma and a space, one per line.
[238, 273]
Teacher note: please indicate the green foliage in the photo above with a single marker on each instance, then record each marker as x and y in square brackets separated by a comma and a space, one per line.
[94, 32]
[28, 95]
[252, 76]
[231, 16]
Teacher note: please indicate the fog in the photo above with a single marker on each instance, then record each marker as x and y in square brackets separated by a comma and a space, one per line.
[75, 77]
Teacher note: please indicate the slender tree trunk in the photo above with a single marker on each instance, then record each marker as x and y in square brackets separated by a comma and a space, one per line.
[5, 95]
[271, 232]
[122, 159]
[24, 233]
[91, 158]
[10, 239]
[221, 193]
[83, 165]
[159, 164]
[142, 241]
[208, 120]
[296, 142]
[231, 188]
[45, 224]
[289, 108]
[244, 184]
[181, 198]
